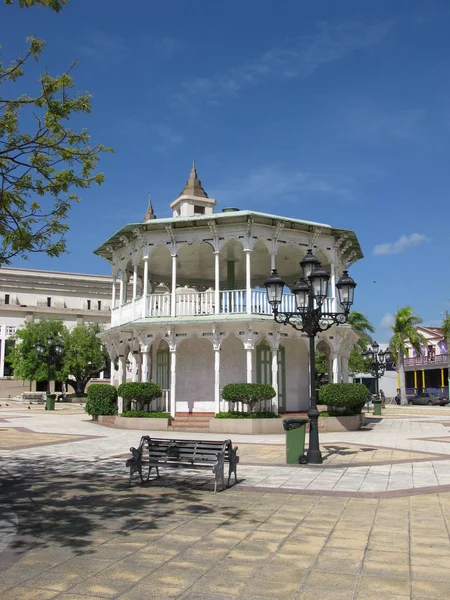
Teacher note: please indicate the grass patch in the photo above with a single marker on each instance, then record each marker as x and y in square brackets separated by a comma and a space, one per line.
[143, 414]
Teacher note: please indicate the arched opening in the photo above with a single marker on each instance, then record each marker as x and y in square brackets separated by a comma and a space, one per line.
[264, 373]
[323, 366]
[195, 374]
[297, 374]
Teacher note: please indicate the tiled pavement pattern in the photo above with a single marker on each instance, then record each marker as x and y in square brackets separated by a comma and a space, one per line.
[283, 532]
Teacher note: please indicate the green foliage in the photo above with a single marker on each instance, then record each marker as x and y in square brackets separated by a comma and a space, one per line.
[247, 415]
[363, 327]
[446, 326]
[143, 414]
[42, 160]
[343, 398]
[404, 328]
[84, 356]
[27, 363]
[142, 392]
[357, 363]
[248, 393]
[55, 5]
[321, 369]
[102, 399]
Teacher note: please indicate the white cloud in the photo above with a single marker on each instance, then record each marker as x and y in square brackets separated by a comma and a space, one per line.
[299, 58]
[273, 182]
[401, 245]
[387, 321]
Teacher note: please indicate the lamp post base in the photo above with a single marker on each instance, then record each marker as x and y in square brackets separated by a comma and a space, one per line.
[314, 455]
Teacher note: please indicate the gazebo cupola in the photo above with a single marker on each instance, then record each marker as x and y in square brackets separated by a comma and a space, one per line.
[193, 200]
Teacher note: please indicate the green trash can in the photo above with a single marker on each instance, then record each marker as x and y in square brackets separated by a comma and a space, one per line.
[377, 408]
[50, 402]
[295, 429]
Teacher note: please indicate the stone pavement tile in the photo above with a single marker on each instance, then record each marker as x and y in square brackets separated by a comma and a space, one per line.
[431, 574]
[333, 559]
[278, 572]
[128, 571]
[430, 589]
[16, 574]
[385, 585]
[144, 591]
[424, 560]
[55, 580]
[386, 558]
[301, 549]
[84, 564]
[219, 584]
[355, 540]
[341, 581]
[102, 586]
[382, 569]
[379, 596]
[325, 593]
[177, 574]
[27, 593]
[262, 588]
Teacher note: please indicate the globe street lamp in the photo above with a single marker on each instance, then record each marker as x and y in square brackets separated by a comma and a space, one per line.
[377, 360]
[310, 293]
[50, 353]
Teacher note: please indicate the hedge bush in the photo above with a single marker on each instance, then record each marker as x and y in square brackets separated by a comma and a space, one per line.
[248, 393]
[143, 414]
[343, 399]
[142, 392]
[102, 399]
[247, 415]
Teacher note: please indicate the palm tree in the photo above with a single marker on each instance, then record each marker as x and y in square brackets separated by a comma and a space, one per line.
[404, 329]
[362, 326]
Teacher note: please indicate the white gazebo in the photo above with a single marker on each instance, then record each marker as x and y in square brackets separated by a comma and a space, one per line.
[190, 313]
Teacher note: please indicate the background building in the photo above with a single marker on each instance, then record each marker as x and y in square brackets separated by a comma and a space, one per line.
[29, 294]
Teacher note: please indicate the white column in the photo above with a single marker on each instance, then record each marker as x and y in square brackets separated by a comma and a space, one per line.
[335, 367]
[248, 280]
[344, 367]
[2, 349]
[145, 365]
[216, 283]
[113, 295]
[113, 374]
[249, 365]
[333, 288]
[272, 261]
[173, 381]
[121, 290]
[217, 380]
[135, 278]
[145, 287]
[173, 308]
[122, 379]
[275, 378]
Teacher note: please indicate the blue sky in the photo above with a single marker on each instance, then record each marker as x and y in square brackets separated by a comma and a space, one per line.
[336, 112]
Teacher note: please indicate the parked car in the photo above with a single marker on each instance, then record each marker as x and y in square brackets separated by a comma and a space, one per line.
[430, 398]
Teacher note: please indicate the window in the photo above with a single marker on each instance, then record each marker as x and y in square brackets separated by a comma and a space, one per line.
[49, 302]
[6, 298]
[89, 305]
[99, 305]
[199, 210]
[8, 371]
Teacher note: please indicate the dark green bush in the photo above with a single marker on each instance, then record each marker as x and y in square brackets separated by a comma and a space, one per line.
[102, 400]
[141, 392]
[143, 414]
[248, 393]
[247, 415]
[343, 399]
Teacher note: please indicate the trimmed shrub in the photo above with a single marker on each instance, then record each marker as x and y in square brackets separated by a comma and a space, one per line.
[343, 399]
[143, 414]
[102, 399]
[248, 393]
[141, 392]
[247, 415]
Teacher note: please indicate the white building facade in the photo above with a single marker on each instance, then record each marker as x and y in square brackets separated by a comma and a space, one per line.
[189, 310]
[27, 295]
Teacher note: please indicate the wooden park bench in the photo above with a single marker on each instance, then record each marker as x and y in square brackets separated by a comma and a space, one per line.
[188, 454]
[34, 397]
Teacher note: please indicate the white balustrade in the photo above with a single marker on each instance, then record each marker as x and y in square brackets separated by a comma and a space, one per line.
[203, 303]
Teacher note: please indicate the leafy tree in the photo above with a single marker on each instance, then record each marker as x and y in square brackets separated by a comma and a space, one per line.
[404, 328]
[42, 160]
[25, 360]
[84, 356]
[321, 367]
[363, 327]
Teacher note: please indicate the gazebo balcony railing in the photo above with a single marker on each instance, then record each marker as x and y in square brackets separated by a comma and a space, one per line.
[202, 303]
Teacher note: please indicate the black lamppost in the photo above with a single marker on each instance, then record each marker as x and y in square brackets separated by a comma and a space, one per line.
[377, 360]
[310, 292]
[51, 353]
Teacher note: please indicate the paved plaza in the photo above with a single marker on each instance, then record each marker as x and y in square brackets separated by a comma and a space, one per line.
[372, 522]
